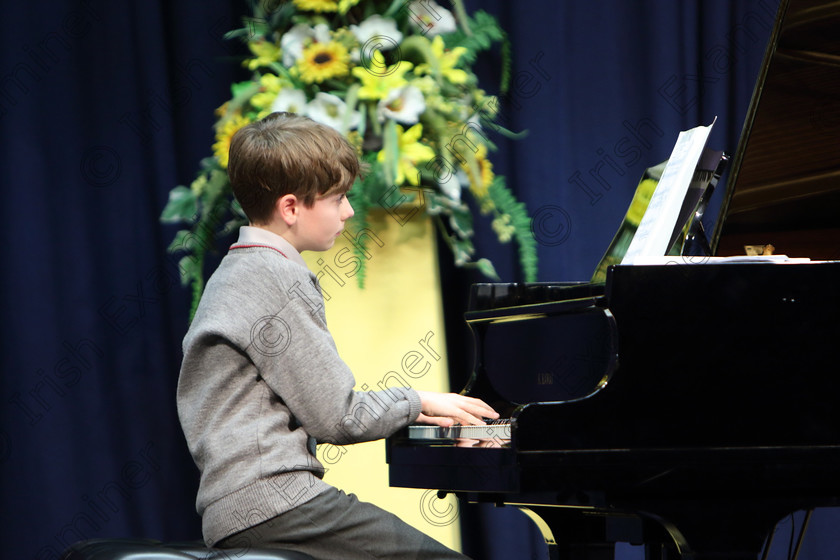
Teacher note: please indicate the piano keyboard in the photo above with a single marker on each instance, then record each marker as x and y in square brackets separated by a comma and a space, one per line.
[498, 430]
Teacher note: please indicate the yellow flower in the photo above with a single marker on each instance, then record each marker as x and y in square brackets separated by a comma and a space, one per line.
[317, 5]
[265, 52]
[640, 201]
[411, 152]
[503, 228]
[480, 175]
[345, 5]
[270, 86]
[224, 132]
[377, 83]
[356, 140]
[326, 6]
[446, 61]
[322, 61]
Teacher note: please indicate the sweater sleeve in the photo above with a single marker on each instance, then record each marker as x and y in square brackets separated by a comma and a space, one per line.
[298, 360]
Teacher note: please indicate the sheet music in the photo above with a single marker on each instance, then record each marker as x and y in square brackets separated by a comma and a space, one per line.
[654, 234]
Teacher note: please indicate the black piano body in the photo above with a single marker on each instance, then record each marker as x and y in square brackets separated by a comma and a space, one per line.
[690, 405]
[714, 443]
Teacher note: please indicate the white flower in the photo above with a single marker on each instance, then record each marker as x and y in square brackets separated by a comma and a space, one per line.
[431, 19]
[291, 43]
[289, 100]
[383, 31]
[452, 184]
[404, 105]
[331, 110]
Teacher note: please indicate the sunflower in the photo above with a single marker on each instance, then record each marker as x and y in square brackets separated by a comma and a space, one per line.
[224, 132]
[322, 61]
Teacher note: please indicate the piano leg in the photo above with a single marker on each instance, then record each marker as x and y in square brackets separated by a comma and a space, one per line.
[582, 534]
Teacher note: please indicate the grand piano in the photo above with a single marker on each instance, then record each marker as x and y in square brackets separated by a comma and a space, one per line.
[622, 427]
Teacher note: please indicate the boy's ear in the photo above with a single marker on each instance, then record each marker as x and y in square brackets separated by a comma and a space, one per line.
[287, 209]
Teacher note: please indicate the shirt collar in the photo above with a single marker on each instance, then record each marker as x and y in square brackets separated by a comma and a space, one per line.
[260, 236]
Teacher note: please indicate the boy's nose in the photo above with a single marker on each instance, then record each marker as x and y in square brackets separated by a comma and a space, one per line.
[348, 210]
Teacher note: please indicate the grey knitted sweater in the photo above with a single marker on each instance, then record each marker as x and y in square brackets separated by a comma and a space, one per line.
[261, 382]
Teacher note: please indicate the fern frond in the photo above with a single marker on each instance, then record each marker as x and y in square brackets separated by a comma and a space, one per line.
[507, 203]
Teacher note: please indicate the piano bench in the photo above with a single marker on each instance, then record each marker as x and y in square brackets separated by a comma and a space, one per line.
[146, 549]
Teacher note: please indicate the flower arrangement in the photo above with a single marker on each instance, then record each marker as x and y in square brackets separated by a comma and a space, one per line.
[394, 77]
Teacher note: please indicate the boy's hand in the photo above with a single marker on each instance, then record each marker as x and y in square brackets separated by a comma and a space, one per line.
[446, 409]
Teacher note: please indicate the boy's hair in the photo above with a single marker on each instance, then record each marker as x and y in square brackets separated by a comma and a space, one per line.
[285, 154]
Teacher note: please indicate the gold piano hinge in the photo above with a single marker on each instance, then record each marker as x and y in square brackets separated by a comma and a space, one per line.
[759, 250]
[523, 317]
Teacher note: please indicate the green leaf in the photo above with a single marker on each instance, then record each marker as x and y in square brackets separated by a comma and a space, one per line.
[487, 269]
[484, 30]
[181, 207]
[392, 151]
[521, 222]
[461, 222]
[463, 250]
[181, 242]
[191, 269]
[240, 89]
[218, 185]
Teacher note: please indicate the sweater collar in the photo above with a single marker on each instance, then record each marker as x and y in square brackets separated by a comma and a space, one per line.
[250, 235]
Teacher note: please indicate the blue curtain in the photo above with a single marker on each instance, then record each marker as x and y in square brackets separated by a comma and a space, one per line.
[105, 106]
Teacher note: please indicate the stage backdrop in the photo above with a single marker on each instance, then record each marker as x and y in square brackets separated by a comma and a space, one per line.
[105, 106]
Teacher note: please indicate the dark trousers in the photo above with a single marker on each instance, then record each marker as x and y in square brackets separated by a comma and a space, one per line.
[337, 525]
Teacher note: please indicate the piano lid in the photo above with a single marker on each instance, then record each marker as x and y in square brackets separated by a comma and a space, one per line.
[784, 185]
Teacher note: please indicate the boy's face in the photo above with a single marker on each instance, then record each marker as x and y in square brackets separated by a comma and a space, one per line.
[320, 225]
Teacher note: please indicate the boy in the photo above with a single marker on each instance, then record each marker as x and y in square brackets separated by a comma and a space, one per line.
[261, 382]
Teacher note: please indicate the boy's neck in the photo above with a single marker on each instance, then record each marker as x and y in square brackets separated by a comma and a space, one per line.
[258, 234]
[282, 231]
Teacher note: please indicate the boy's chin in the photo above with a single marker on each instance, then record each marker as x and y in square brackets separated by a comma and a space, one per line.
[326, 246]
